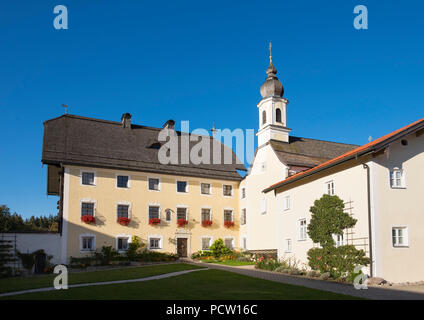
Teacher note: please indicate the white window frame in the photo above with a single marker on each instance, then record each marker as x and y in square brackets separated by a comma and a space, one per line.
[124, 203]
[94, 181]
[263, 205]
[402, 178]
[176, 186]
[245, 193]
[233, 242]
[118, 236]
[241, 216]
[116, 181]
[154, 204]
[232, 190]
[288, 245]
[406, 237]
[201, 242]
[286, 203]
[232, 213]
[87, 235]
[89, 201]
[332, 188]
[337, 242]
[154, 236]
[302, 230]
[243, 242]
[159, 184]
[210, 189]
[210, 212]
[184, 207]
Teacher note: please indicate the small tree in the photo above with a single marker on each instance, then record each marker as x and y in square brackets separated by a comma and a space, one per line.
[218, 248]
[328, 219]
[6, 257]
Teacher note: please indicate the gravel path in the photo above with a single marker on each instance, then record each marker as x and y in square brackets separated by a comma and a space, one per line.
[374, 293]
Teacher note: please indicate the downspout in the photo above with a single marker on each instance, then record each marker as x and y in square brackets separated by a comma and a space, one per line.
[369, 217]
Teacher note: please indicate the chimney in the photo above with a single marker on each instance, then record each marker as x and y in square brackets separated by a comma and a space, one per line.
[126, 120]
[170, 124]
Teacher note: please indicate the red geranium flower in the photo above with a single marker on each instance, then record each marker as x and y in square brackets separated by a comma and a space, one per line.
[182, 222]
[206, 223]
[88, 218]
[124, 221]
[154, 221]
[228, 224]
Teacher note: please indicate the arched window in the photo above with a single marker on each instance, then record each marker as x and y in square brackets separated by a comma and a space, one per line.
[263, 117]
[278, 115]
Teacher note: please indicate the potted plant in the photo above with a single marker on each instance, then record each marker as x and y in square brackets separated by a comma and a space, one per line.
[154, 221]
[124, 221]
[206, 223]
[88, 218]
[229, 224]
[182, 222]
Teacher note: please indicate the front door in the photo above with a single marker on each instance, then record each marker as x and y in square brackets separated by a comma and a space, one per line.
[182, 247]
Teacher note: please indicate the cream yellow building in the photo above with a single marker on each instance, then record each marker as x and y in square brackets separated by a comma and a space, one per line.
[109, 170]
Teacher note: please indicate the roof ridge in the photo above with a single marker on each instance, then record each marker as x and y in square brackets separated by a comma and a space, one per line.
[346, 144]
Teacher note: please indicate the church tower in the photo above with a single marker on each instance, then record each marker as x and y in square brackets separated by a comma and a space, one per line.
[272, 108]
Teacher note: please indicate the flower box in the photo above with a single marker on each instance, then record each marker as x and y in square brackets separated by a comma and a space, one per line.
[229, 224]
[88, 218]
[206, 223]
[154, 221]
[123, 221]
[182, 222]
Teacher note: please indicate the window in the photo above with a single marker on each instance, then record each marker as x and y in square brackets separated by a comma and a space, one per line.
[182, 213]
[87, 208]
[122, 181]
[154, 243]
[288, 245]
[154, 184]
[263, 206]
[263, 117]
[302, 229]
[228, 242]
[227, 190]
[397, 179]
[87, 178]
[153, 212]
[87, 243]
[243, 216]
[278, 115]
[243, 193]
[206, 243]
[400, 236]
[168, 215]
[286, 203]
[205, 188]
[123, 210]
[338, 240]
[329, 188]
[181, 186]
[206, 214]
[228, 215]
[244, 243]
[123, 243]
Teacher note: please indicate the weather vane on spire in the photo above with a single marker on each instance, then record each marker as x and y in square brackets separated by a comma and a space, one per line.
[270, 52]
[66, 108]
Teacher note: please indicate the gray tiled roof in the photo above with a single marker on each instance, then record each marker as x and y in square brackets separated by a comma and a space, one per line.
[71, 139]
[308, 152]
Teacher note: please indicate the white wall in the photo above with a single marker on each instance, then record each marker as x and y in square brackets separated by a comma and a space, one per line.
[30, 242]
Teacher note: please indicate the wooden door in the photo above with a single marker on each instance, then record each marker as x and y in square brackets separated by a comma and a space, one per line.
[182, 247]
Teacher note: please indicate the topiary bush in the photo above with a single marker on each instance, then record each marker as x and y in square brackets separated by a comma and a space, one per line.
[218, 248]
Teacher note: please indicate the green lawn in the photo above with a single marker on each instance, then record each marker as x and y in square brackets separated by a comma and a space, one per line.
[207, 284]
[18, 284]
[233, 263]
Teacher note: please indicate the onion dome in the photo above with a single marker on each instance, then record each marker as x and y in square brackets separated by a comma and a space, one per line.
[272, 86]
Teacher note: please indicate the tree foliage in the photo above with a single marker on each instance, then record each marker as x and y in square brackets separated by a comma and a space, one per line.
[328, 218]
[218, 248]
[13, 222]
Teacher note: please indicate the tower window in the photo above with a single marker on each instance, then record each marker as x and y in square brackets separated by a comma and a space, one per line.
[278, 115]
[263, 117]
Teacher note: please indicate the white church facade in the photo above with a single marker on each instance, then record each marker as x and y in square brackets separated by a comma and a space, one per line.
[381, 183]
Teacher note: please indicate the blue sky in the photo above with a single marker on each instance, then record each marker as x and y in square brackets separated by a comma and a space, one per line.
[203, 62]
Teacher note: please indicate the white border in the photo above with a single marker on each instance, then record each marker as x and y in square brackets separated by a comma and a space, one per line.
[232, 190]
[95, 178]
[159, 185]
[83, 235]
[156, 236]
[210, 189]
[125, 203]
[176, 186]
[210, 242]
[406, 236]
[122, 236]
[122, 174]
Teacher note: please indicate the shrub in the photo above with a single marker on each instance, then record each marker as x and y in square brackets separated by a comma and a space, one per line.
[134, 247]
[267, 264]
[106, 255]
[279, 269]
[218, 248]
[27, 260]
